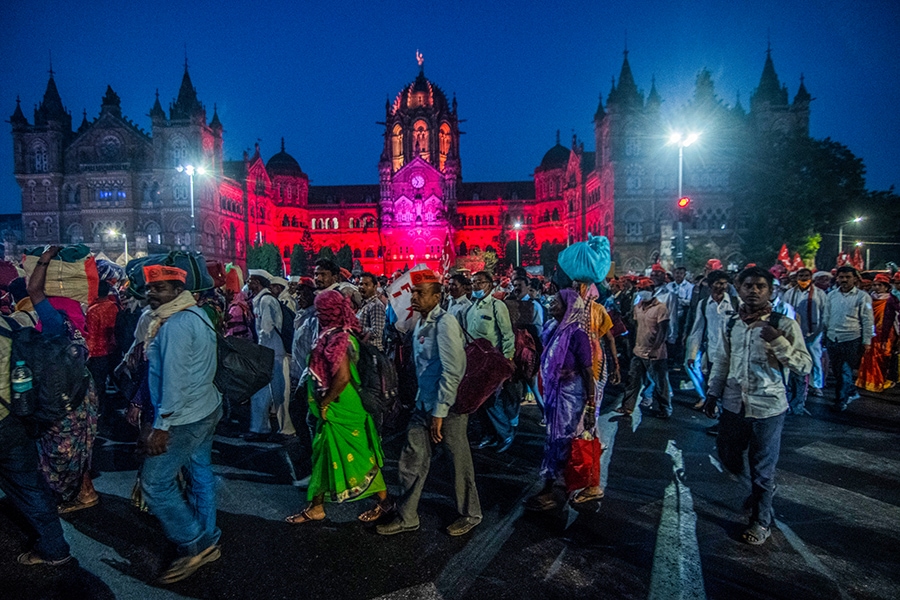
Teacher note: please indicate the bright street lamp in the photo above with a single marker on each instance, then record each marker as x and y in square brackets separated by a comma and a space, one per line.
[517, 226]
[841, 232]
[190, 170]
[114, 233]
[683, 141]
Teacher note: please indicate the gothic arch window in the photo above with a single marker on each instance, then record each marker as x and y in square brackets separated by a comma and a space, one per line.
[491, 220]
[555, 215]
[295, 222]
[634, 227]
[334, 223]
[178, 149]
[32, 229]
[285, 221]
[351, 223]
[40, 162]
[370, 253]
[471, 221]
[154, 233]
[444, 143]
[357, 253]
[75, 233]
[312, 224]
[478, 220]
[260, 186]
[420, 133]
[48, 225]
[462, 249]
[397, 147]
[287, 252]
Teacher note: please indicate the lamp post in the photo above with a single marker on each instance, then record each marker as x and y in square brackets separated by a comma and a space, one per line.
[683, 141]
[114, 233]
[190, 170]
[841, 232]
[517, 226]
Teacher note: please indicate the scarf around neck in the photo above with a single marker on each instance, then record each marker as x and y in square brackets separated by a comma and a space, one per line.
[182, 301]
[337, 322]
[557, 340]
[749, 317]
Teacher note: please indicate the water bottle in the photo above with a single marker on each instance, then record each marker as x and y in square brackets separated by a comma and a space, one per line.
[22, 404]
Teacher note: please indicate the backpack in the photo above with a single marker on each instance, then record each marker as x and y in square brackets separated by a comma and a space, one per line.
[526, 355]
[60, 378]
[378, 383]
[287, 327]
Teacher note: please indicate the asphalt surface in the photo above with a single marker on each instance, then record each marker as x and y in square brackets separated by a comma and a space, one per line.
[668, 527]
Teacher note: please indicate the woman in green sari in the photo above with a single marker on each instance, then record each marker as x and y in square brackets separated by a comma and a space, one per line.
[346, 451]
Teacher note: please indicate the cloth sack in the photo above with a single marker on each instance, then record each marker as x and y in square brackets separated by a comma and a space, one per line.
[71, 274]
[587, 261]
[583, 468]
[193, 263]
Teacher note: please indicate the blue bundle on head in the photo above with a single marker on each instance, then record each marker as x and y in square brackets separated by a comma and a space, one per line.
[587, 261]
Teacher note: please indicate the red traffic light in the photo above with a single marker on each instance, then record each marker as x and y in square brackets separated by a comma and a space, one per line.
[684, 202]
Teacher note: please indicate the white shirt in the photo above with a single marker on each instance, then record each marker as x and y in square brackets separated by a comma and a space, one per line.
[713, 329]
[849, 316]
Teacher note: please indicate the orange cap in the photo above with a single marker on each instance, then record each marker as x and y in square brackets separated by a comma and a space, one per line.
[154, 273]
[423, 276]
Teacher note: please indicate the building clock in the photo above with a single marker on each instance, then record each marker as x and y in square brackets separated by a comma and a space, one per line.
[418, 181]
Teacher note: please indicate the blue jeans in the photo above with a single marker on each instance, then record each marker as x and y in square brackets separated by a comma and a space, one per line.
[760, 440]
[697, 373]
[190, 522]
[21, 480]
[658, 373]
[817, 375]
[503, 410]
[844, 357]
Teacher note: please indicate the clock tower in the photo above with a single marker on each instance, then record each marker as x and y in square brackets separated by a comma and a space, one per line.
[419, 173]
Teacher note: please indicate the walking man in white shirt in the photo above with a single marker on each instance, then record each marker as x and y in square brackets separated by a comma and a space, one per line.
[748, 378]
[849, 329]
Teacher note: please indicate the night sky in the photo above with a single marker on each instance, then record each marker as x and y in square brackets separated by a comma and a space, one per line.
[318, 74]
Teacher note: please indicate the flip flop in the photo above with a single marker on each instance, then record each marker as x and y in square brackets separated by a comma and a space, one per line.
[541, 504]
[301, 517]
[73, 505]
[581, 498]
[622, 410]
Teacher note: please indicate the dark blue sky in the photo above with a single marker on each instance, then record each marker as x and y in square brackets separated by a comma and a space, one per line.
[318, 73]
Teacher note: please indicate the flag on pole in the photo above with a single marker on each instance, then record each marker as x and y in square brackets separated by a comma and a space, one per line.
[857, 260]
[400, 298]
[784, 257]
[798, 262]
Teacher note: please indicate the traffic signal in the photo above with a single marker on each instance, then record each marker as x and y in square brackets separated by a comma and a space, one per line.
[684, 202]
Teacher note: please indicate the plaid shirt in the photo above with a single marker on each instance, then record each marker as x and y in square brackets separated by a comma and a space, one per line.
[371, 318]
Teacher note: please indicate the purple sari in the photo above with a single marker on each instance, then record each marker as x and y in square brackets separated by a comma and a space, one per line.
[567, 351]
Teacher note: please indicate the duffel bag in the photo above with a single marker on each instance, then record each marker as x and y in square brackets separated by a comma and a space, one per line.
[198, 277]
[587, 261]
[486, 370]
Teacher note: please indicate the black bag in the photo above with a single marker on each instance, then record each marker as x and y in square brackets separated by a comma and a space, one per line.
[287, 327]
[60, 378]
[243, 367]
[378, 388]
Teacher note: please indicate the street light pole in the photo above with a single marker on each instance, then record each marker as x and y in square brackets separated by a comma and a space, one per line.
[190, 170]
[841, 232]
[517, 227]
[682, 141]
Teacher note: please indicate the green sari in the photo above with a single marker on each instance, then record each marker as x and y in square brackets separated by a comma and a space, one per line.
[346, 451]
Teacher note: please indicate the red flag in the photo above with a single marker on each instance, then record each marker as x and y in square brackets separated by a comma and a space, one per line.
[448, 256]
[784, 257]
[857, 260]
[798, 262]
[843, 259]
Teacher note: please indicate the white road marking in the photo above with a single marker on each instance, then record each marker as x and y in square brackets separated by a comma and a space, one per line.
[852, 459]
[554, 568]
[715, 462]
[677, 572]
[811, 559]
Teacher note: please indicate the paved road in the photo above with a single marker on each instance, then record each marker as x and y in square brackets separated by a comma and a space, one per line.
[668, 527]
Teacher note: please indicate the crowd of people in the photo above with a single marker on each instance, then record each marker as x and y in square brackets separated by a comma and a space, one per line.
[751, 347]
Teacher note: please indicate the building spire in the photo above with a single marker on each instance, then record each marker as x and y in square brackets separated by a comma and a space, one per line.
[51, 63]
[557, 137]
[282, 144]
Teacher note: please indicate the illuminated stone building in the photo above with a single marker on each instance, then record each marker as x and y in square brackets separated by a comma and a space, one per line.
[109, 175]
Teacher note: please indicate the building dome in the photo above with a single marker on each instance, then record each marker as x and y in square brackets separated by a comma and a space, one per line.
[421, 93]
[556, 157]
[284, 164]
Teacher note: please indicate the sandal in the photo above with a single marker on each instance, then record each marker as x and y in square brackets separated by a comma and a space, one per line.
[581, 497]
[700, 405]
[73, 505]
[377, 512]
[302, 517]
[622, 410]
[541, 503]
[756, 535]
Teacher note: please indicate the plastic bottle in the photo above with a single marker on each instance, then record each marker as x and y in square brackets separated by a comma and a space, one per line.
[22, 404]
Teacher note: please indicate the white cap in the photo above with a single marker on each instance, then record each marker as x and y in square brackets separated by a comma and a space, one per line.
[261, 273]
[279, 281]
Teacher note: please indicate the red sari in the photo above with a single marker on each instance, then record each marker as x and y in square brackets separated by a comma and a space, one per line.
[876, 362]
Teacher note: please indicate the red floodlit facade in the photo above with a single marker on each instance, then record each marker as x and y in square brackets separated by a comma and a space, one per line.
[111, 175]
